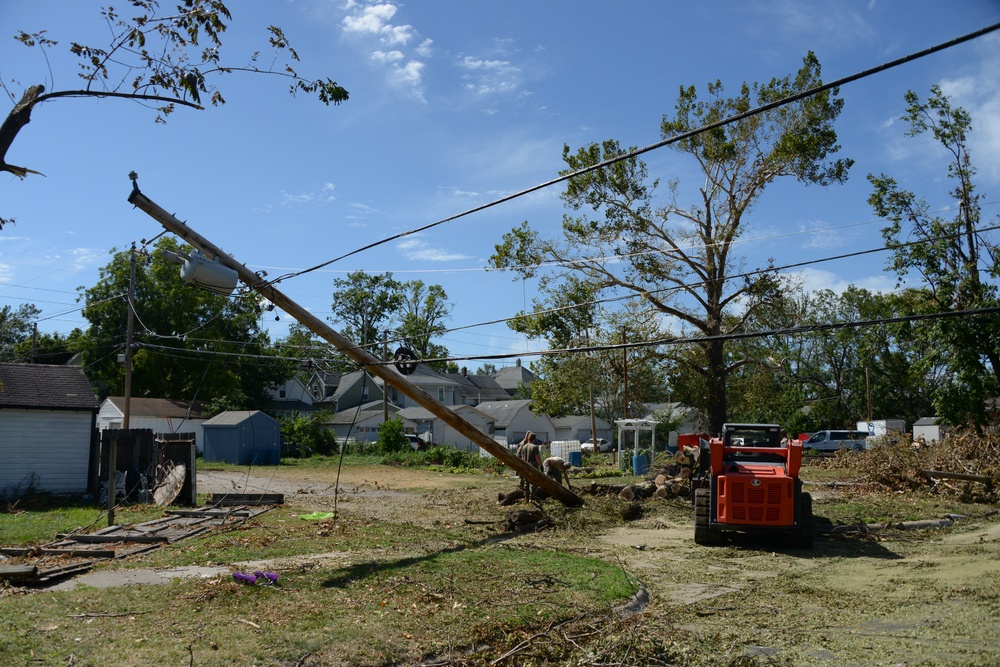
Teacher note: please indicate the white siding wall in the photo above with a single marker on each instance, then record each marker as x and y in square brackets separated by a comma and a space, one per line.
[54, 445]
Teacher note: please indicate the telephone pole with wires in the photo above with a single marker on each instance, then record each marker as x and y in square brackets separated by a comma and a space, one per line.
[360, 355]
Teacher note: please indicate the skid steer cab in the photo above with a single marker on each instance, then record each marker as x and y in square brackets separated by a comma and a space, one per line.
[748, 481]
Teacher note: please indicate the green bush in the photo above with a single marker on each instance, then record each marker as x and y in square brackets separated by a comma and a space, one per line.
[309, 434]
[391, 437]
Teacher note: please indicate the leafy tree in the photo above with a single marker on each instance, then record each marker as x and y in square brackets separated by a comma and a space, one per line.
[309, 433]
[955, 261]
[837, 376]
[679, 260]
[16, 326]
[372, 309]
[50, 348]
[423, 311]
[160, 60]
[188, 342]
[365, 306]
[487, 369]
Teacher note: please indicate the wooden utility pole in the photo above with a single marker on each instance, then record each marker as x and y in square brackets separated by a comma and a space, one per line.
[624, 377]
[358, 354]
[126, 407]
[129, 333]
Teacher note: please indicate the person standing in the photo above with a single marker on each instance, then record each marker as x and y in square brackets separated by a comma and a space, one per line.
[529, 452]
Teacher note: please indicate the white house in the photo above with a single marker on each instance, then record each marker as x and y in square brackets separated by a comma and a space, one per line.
[161, 415]
[423, 420]
[291, 398]
[578, 427]
[47, 421]
[513, 418]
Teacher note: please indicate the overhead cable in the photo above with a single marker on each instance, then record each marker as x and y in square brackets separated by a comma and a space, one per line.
[660, 144]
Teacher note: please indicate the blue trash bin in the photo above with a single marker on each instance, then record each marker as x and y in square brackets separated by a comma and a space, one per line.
[576, 459]
[639, 464]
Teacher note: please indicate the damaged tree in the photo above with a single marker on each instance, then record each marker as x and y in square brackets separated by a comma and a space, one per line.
[156, 59]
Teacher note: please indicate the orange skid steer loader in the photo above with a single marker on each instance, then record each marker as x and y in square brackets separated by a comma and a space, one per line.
[748, 481]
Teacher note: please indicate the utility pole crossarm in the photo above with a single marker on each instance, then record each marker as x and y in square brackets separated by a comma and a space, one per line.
[359, 355]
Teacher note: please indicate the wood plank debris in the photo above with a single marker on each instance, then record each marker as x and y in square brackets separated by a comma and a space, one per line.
[76, 552]
[227, 499]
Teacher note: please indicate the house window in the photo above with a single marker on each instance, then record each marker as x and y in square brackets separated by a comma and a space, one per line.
[364, 393]
[281, 393]
[441, 394]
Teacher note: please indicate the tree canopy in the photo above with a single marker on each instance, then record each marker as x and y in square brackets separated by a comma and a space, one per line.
[188, 343]
[956, 263]
[677, 260]
[376, 309]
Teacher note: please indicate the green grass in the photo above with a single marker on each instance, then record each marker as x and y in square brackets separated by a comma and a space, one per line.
[383, 593]
[37, 518]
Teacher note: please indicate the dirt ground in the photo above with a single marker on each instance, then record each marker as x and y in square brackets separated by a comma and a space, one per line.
[898, 597]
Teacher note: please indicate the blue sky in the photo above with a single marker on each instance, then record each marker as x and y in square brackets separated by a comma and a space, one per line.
[455, 104]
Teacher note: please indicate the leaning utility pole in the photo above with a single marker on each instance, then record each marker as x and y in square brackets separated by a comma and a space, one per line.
[358, 354]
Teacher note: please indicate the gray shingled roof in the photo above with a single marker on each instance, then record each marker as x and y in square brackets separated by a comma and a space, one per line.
[503, 412]
[158, 407]
[39, 386]
[512, 377]
[237, 417]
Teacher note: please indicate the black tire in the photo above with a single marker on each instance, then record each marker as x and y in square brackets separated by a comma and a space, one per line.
[803, 539]
[704, 534]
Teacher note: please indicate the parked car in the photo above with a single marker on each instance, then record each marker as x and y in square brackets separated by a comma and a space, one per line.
[831, 441]
[602, 446]
[415, 442]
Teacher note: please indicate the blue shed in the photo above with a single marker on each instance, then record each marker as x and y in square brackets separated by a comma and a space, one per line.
[242, 437]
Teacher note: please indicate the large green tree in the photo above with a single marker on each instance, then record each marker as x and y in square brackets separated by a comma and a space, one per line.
[16, 326]
[365, 307]
[188, 342]
[956, 263]
[158, 59]
[679, 259]
[423, 312]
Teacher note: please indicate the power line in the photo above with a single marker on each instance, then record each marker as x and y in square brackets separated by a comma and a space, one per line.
[660, 144]
[803, 329]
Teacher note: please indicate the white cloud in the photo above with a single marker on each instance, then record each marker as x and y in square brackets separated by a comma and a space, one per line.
[489, 76]
[387, 57]
[417, 249]
[402, 71]
[817, 279]
[325, 194]
[370, 19]
[6, 272]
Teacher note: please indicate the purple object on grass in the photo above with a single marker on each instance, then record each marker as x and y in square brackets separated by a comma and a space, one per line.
[245, 578]
[270, 576]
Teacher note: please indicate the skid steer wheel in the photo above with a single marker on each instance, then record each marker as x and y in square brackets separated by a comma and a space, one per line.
[803, 538]
[703, 532]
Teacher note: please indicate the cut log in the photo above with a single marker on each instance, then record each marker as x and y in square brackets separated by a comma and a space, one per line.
[510, 498]
[941, 474]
